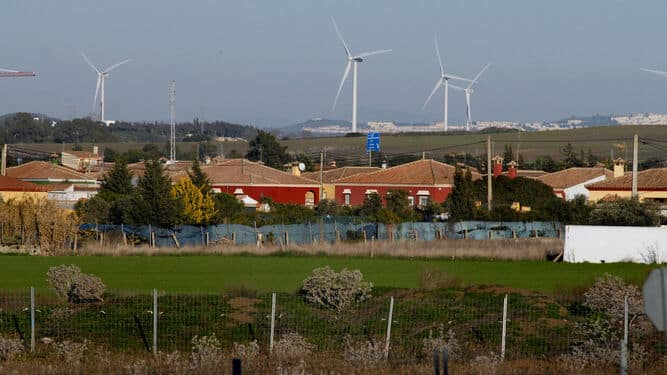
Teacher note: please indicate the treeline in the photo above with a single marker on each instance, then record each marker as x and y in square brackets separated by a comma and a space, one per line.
[24, 128]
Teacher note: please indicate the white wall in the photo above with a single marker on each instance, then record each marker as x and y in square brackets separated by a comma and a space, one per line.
[580, 189]
[598, 244]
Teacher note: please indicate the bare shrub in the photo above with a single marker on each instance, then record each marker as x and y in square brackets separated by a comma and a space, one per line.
[603, 328]
[367, 353]
[246, 352]
[442, 340]
[10, 348]
[77, 287]
[291, 352]
[71, 353]
[486, 364]
[206, 352]
[336, 290]
[169, 363]
[432, 278]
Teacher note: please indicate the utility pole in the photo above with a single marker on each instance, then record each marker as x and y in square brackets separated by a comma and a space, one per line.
[489, 181]
[3, 161]
[321, 174]
[172, 122]
[635, 161]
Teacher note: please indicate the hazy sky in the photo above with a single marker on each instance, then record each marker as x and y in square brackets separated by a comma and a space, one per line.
[273, 63]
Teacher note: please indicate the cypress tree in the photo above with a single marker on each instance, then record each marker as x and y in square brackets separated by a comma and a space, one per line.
[199, 178]
[117, 182]
[154, 202]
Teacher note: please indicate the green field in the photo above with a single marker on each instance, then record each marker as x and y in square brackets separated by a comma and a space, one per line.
[214, 273]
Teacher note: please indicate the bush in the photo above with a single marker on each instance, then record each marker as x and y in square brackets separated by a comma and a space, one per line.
[70, 283]
[364, 353]
[71, 353]
[290, 352]
[206, 352]
[9, 348]
[442, 340]
[336, 290]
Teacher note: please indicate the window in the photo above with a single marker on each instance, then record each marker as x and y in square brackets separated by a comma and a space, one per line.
[347, 199]
[423, 200]
[411, 200]
[310, 199]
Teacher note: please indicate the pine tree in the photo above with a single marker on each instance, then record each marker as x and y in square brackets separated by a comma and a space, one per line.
[117, 182]
[199, 178]
[461, 202]
[154, 203]
[266, 148]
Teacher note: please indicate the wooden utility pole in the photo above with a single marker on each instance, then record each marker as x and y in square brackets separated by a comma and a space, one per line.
[321, 174]
[635, 161]
[489, 181]
[3, 162]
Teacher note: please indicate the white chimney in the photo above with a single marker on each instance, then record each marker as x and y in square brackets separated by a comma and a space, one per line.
[384, 164]
[95, 150]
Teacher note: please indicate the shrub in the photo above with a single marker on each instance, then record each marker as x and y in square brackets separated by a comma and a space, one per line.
[70, 283]
[442, 340]
[246, 352]
[336, 290]
[71, 352]
[432, 278]
[290, 353]
[206, 352]
[9, 348]
[364, 353]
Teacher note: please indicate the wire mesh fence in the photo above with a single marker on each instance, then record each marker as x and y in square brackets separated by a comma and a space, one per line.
[399, 326]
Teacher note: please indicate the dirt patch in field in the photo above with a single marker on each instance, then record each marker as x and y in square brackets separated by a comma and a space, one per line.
[244, 309]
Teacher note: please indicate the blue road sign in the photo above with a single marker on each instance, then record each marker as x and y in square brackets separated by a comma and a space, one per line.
[373, 142]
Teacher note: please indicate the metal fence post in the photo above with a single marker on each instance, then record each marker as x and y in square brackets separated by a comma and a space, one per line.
[436, 361]
[502, 342]
[236, 366]
[624, 342]
[32, 319]
[155, 321]
[445, 361]
[388, 339]
[273, 322]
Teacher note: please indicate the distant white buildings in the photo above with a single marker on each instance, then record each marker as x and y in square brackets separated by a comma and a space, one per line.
[642, 119]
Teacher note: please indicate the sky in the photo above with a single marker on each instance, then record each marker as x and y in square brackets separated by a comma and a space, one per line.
[273, 63]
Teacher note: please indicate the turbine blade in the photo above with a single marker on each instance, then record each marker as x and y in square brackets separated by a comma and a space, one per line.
[342, 81]
[658, 72]
[371, 53]
[90, 63]
[437, 52]
[451, 76]
[114, 66]
[435, 88]
[340, 36]
[474, 80]
[456, 87]
[9, 71]
[97, 90]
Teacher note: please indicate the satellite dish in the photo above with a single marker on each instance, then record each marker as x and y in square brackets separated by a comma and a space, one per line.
[302, 167]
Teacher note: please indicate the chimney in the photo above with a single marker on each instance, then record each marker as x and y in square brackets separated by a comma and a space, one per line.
[96, 150]
[497, 165]
[619, 167]
[512, 169]
[384, 164]
[333, 164]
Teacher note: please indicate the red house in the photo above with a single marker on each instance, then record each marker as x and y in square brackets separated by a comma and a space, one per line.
[422, 179]
[241, 177]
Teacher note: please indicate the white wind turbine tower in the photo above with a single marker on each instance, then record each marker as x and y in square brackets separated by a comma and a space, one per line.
[101, 79]
[444, 82]
[468, 93]
[352, 60]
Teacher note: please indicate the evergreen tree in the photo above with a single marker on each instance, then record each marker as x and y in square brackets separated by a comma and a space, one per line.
[117, 182]
[398, 203]
[266, 148]
[461, 202]
[372, 204]
[227, 208]
[198, 208]
[508, 155]
[154, 203]
[199, 178]
[570, 156]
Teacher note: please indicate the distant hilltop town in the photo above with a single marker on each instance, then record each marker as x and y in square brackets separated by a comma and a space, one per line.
[320, 126]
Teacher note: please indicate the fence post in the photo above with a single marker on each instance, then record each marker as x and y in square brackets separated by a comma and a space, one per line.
[502, 341]
[273, 322]
[436, 361]
[236, 366]
[155, 321]
[445, 361]
[150, 236]
[388, 339]
[32, 319]
[624, 342]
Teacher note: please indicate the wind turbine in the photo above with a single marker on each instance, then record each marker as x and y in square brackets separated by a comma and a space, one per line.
[101, 79]
[468, 93]
[444, 82]
[352, 60]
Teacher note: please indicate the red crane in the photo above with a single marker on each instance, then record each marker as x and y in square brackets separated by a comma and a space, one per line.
[4, 73]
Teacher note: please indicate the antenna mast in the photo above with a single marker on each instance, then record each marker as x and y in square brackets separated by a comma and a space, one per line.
[172, 122]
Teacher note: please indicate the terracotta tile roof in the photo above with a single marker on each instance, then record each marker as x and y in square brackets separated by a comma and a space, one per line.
[650, 179]
[532, 173]
[175, 171]
[573, 176]
[14, 184]
[42, 170]
[332, 175]
[84, 154]
[240, 171]
[420, 172]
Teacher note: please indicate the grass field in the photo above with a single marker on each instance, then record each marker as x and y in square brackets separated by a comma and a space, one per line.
[211, 273]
